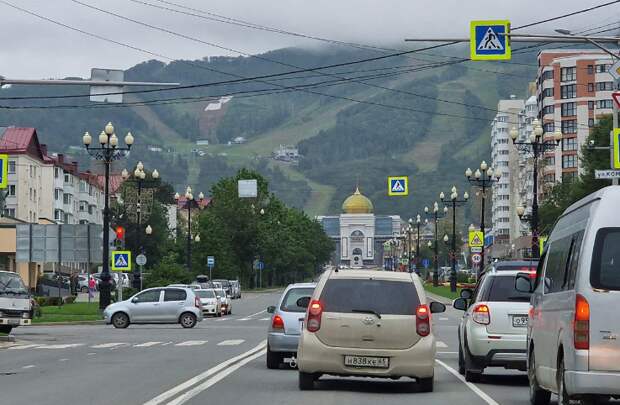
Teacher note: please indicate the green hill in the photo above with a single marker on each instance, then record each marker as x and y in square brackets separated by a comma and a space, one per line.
[342, 141]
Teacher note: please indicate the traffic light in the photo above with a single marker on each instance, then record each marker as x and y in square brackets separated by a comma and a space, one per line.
[120, 233]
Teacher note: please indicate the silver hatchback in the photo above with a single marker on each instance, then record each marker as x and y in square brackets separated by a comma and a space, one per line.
[157, 305]
[285, 327]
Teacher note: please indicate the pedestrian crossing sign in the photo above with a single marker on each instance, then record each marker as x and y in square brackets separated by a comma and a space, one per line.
[4, 169]
[476, 239]
[121, 260]
[488, 40]
[398, 185]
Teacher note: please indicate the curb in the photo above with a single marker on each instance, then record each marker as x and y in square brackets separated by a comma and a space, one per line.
[438, 298]
[101, 322]
[8, 338]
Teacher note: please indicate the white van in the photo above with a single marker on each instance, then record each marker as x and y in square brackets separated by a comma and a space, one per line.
[574, 322]
[15, 304]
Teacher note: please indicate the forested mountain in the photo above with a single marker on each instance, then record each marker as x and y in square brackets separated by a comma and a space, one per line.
[406, 115]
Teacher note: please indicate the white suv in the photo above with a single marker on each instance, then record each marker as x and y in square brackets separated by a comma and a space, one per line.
[493, 330]
[368, 323]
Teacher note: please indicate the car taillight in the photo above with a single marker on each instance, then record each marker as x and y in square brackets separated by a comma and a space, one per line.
[277, 322]
[581, 326]
[422, 320]
[481, 314]
[197, 302]
[315, 310]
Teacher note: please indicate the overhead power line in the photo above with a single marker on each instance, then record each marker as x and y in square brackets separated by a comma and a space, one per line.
[584, 10]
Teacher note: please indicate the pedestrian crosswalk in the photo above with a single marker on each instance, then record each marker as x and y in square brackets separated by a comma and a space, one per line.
[122, 345]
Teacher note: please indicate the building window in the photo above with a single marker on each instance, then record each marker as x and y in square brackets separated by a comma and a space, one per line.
[547, 92]
[569, 144]
[9, 212]
[569, 109]
[11, 166]
[590, 87]
[34, 193]
[590, 122]
[590, 69]
[569, 126]
[549, 178]
[604, 86]
[56, 172]
[602, 68]
[547, 74]
[66, 218]
[547, 110]
[502, 118]
[83, 206]
[82, 186]
[66, 199]
[591, 105]
[569, 162]
[58, 215]
[12, 190]
[568, 177]
[568, 91]
[549, 127]
[568, 74]
[604, 104]
[550, 161]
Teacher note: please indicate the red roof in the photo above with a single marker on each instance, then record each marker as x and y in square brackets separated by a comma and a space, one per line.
[22, 140]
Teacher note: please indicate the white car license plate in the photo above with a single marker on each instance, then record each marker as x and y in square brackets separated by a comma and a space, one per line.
[519, 321]
[366, 361]
[13, 321]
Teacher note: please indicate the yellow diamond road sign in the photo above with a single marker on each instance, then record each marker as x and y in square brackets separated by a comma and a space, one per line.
[476, 239]
[121, 260]
[488, 40]
[398, 185]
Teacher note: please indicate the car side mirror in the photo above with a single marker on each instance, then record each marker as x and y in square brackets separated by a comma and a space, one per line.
[271, 309]
[437, 307]
[135, 300]
[460, 304]
[466, 293]
[523, 283]
[303, 302]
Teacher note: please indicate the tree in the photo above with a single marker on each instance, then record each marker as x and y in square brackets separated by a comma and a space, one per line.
[167, 271]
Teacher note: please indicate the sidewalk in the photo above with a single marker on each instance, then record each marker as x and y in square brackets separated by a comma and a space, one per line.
[83, 297]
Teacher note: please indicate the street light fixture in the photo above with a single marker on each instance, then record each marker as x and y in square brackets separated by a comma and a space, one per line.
[435, 216]
[537, 146]
[190, 203]
[107, 152]
[455, 202]
[483, 178]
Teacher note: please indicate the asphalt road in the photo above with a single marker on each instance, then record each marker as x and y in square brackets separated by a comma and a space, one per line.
[221, 361]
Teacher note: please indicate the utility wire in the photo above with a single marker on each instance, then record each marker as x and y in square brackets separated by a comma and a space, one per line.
[585, 10]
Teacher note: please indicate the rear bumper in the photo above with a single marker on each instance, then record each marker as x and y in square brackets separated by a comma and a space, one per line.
[592, 382]
[281, 342]
[417, 361]
[209, 310]
[15, 321]
[508, 351]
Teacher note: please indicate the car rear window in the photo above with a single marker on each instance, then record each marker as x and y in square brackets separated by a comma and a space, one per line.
[502, 288]
[289, 303]
[174, 295]
[205, 293]
[381, 296]
[605, 273]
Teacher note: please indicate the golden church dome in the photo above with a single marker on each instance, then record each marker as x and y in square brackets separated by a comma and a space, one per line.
[357, 203]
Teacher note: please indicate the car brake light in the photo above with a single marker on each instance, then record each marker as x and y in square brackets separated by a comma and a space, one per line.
[277, 322]
[481, 314]
[422, 320]
[315, 310]
[197, 302]
[581, 325]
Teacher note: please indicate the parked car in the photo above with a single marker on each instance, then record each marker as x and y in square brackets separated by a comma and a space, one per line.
[113, 279]
[48, 284]
[157, 305]
[210, 303]
[492, 332]
[574, 328]
[190, 286]
[285, 327]
[368, 323]
[236, 288]
[225, 301]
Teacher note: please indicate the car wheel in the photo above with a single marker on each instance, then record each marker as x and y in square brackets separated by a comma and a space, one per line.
[188, 320]
[120, 320]
[563, 397]
[461, 361]
[6, 329]
[538, 396]
[306, 381]
[273, 359]
[426, 384]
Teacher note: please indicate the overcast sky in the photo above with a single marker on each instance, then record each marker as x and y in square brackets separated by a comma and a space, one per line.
[33, 48]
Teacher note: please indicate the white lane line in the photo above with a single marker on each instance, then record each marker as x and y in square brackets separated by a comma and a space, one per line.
[444, 319]
[469, 385]
[21, 347]
[167, 343]
[264, 319]
[63, 359]
[232, 342]
[258, 313]
[29, 366]
[215, 379]
[243, 319]
[65, 346]
[204, 375]
[107, 345]
[441, 344]
[222, 320]
[192, 343]
[91, 354]
[147, 344]
[447, 352]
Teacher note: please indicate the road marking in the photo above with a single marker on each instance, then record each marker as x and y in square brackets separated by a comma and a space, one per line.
[29, 366]
[21, 347]
[243, 319]
[444, 319]
[471, 386]
[167, 343]
[264, 319]
[222, 319]
[91, 354]
[63, 359]
[441, 344]
[65, 346]
[447, 352]
[192, 343]
[107, 345]
[232, 342]
[204, 375]
[147, 344]
[258, 313]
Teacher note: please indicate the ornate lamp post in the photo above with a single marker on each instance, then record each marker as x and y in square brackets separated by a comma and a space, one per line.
[436, 215]
[107, 152]
[483, 178]
[410, 247]
[190, 203]
[454, 202]
[537, 146]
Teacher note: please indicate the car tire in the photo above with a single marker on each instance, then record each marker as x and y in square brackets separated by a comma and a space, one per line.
[120, 320]
[187, 320]
[219, 313]
[306, 381]
[426, 384]
[6, 329]
[274, 359]
[563, 397]
[461, 361]
[538, 396]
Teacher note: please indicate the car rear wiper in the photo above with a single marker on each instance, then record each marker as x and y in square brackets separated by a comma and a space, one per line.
[367, 311]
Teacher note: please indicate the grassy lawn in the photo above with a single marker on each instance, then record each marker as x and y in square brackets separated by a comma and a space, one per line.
[442, 291]
[81, 311]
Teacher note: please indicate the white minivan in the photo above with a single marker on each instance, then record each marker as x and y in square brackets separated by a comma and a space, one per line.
[574, 324]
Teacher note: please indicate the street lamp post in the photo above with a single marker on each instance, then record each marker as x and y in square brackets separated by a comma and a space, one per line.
[455, 202]
[139, 177]
[483, 178]
[409, 248]
[436, 215]
[418, 222]
[537, 146]
[107, 152]
[190, 203]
